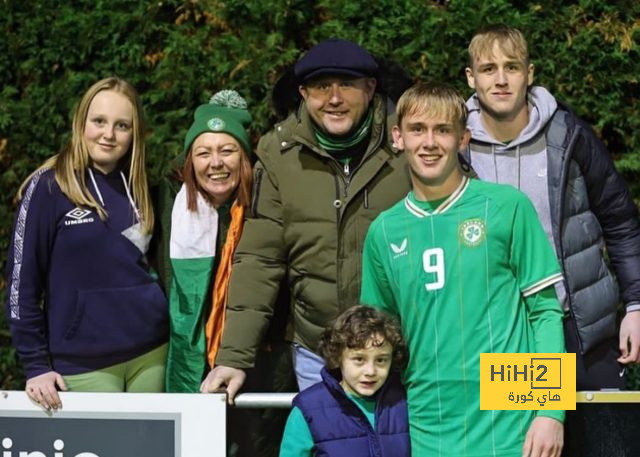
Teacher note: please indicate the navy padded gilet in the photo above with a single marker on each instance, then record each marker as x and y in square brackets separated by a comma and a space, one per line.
[340, 428]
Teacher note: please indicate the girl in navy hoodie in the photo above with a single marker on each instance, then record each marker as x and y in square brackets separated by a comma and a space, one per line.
[84, 311]
[360, 408]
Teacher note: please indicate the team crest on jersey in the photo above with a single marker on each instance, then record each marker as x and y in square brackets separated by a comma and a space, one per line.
[78, 216]
[399, 250]
[472, 232]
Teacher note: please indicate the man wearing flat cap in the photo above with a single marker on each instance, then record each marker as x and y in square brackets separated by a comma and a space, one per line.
[323, 175]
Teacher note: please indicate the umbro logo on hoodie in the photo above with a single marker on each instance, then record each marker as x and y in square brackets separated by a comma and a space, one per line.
[78, 216]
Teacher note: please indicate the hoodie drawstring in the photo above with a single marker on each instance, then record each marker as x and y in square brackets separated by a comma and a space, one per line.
[126, 188]
[495, 165]
[518, 157]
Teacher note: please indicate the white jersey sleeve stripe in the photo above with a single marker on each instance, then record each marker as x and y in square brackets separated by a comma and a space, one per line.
[537, 287]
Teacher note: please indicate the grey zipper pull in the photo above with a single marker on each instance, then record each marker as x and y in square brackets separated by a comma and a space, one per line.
[346, 168]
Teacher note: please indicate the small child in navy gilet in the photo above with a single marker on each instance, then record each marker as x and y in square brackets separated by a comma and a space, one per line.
[359, 409]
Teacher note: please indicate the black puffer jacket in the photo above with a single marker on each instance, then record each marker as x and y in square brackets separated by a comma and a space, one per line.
[591, 208]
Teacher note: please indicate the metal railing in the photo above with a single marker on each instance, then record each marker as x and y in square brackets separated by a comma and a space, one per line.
[608, 396]
[264, 400]
[283, 400]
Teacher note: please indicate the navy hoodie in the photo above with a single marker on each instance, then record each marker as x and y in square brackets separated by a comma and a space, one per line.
[101, 305]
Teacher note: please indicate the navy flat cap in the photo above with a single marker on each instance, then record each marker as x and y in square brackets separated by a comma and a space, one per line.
[335, 56]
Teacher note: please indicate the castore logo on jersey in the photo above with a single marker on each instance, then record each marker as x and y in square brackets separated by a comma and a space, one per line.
[399, 250]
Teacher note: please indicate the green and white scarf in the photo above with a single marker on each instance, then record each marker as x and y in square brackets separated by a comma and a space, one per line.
[192, 253]
[334, 144]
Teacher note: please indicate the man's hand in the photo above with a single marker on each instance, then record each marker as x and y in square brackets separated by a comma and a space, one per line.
[545, 438]
[231, 378]
[42, 389]
[630, 338]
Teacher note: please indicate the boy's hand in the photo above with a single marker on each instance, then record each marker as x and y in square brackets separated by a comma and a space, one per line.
[231, 378]
[42, 390]
[545, 438]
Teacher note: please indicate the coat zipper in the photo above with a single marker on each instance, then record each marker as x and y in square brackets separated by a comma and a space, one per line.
[256, 192]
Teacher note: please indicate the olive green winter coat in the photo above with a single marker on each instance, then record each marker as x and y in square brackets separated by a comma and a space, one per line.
[307, 223]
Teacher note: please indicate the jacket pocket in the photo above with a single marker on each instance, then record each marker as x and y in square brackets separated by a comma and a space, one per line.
[109, 321]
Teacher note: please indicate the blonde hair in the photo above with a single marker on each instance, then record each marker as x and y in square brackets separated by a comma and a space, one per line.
[510, 40]
[69, 165]
[434, 100]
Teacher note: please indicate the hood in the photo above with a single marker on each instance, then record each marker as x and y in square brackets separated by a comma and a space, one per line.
[542, 105]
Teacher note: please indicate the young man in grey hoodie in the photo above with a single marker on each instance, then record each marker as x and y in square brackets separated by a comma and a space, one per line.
[521, 135]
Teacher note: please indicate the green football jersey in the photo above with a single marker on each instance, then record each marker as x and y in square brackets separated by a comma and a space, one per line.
[458, 275]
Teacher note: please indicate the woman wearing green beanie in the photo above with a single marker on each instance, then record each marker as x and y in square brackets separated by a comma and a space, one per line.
[200, 228]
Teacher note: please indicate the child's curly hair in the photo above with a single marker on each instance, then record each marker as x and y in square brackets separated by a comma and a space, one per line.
[355, 329]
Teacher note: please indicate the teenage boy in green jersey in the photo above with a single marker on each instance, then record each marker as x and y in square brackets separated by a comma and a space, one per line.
[468, 269]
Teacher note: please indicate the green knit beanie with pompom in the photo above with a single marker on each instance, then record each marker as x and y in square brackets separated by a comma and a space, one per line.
[226, 112]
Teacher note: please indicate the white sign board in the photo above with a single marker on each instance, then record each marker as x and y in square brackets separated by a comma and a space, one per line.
[114, 425]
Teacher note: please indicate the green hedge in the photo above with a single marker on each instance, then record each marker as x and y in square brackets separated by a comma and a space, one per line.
[178, 53]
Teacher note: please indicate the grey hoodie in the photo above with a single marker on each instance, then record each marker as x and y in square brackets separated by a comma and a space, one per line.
[522, 162]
